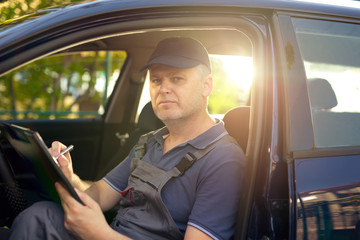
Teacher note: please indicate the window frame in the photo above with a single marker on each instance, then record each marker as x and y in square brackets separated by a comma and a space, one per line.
[299, 133]
[256, 27]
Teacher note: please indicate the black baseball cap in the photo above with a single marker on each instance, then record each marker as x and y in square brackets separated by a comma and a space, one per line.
[179, 52]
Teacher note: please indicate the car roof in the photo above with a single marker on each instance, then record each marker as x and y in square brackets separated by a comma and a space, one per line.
[52, 17]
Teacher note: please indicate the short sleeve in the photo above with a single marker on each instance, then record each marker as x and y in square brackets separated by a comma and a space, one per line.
[118, 177]
[219, 190]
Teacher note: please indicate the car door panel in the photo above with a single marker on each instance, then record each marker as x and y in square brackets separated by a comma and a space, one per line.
[84, 134]
[328, 196]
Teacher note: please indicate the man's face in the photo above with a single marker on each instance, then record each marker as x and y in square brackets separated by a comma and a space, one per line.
[178, 93]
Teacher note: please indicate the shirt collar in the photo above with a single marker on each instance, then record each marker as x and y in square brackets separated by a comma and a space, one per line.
[200, 142]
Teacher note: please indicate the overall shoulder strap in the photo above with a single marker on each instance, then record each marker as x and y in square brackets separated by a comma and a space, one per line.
[190, 158]
[140, 147]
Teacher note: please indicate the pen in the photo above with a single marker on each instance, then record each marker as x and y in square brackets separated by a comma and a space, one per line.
[68, 149]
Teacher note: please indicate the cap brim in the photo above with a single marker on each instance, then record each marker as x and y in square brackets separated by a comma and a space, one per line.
[172, 61]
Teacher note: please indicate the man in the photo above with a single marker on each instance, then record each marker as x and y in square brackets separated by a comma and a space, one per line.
[182, 181]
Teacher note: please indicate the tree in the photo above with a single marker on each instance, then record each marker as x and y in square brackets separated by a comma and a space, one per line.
[223, 96]
[12, 9]
[60, 84]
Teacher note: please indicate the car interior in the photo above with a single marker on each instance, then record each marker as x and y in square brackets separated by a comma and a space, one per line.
[18, 184]
[138, 47]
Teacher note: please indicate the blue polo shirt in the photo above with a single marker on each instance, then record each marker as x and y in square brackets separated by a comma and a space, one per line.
[207, 195]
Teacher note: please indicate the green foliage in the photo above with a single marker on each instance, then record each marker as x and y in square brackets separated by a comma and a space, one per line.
[224, 95]
[16, 8]
[60, 84]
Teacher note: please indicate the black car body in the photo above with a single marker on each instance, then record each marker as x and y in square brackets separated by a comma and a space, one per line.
[303, 156]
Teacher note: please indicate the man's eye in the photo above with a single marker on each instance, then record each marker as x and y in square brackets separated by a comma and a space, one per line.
[156, 81]
[177, 78]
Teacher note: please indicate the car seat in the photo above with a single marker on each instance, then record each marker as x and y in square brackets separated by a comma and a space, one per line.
[236, 123]
[331, 128]
[4, 233]
[322, 95]
[147, 122]
[12, 198]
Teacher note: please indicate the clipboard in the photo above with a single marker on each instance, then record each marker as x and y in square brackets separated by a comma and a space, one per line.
[30, 145]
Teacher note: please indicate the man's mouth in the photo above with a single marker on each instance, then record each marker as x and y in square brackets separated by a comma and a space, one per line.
[165, 102]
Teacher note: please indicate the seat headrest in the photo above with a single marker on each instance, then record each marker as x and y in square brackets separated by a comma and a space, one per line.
[322, 95]
[148, 120]
[236, 123]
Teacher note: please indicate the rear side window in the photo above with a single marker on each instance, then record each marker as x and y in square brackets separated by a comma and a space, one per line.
[71, 85]
[331, 53]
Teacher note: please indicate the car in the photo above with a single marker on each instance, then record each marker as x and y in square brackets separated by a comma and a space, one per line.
[287, 85]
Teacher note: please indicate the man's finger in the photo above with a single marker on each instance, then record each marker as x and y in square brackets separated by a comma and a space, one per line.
[86, 199]
[61, 191]
[56, 148]
[66, 199]
[63, 161]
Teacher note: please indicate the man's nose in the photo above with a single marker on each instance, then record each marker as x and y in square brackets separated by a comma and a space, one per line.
[165, 87]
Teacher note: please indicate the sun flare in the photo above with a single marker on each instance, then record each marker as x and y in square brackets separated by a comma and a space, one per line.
[239, 69]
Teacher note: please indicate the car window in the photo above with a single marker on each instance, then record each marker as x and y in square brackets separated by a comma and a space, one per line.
[331, 51]
[71, 85]
[232, 81]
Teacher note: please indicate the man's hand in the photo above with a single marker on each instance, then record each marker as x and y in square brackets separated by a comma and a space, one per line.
[66, 166]
[64, 161]
[85, 222]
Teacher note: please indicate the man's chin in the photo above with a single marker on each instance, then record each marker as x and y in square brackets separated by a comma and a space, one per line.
[164, 118]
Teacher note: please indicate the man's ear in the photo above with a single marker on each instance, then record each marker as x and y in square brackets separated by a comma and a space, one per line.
[207, 85]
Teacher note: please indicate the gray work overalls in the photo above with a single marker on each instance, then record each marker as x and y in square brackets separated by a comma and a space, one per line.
[142, 214]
